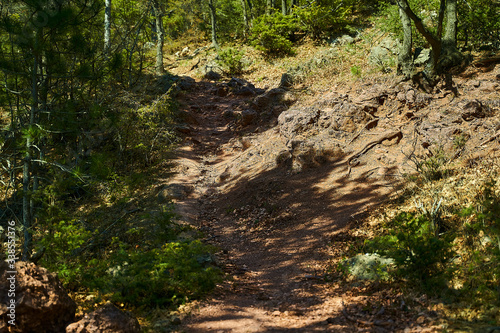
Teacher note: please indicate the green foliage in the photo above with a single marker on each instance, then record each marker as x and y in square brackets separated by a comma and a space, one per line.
[433, 167]
[479, 22]
[356, 71]
[161, 271]
[420, 254]
[482, 231]
[231, 60]
[61, 242]
[271, 34]
[318, 20]
[158, 277]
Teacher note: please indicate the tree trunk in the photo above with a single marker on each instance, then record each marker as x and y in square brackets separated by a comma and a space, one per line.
[213, 17]
[450, 55]
[245, 16]
[269, 7]
[250, 9]
[405, 57]
[435, 42]
[160, 33]
[27, 202]
[107, 26]
[284, 9]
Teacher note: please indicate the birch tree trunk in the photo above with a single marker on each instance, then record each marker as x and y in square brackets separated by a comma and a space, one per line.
[107, 26]
[245, 15]
[284, 8]
[160, 33]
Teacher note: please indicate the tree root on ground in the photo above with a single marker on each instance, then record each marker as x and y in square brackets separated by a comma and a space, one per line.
[370, 145]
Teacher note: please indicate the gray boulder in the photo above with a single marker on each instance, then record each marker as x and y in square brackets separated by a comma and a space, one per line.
[369, 266]
[384, 53]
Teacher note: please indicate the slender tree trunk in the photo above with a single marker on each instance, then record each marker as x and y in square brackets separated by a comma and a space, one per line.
[27, 203]
[213, 17]
[284, 9]
[160, 33]
[450, 35]
[434, 41]
[107, 26]
[450, 55]
[250, 9]
[245, 16]
[405, 58]
[269, 7]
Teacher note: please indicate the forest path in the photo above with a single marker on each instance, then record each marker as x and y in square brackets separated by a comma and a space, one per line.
[276, 229]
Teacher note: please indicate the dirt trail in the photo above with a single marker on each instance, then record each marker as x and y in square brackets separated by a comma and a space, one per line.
[275, 228]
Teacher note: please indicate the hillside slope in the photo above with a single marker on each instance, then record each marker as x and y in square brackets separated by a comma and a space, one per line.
[282, 179]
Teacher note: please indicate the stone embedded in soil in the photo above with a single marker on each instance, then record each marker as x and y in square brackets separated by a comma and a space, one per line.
[42, 304]
[108, 319]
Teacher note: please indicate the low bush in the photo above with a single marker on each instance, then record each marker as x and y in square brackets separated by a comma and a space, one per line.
[231, 60]
[318, 20]
[272, 34]
[421, 255]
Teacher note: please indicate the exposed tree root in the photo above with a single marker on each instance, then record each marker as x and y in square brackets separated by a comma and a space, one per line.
[352, 161]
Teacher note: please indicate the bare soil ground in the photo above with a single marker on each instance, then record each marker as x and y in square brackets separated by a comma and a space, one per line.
[278, 227]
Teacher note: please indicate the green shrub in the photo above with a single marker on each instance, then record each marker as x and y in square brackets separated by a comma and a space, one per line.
[61, 243]
[231, 60]
[419, 253]
[478, 20]
[271, 34]
[159, 277]
[482, 231]
[142, 267]
[318, 20]
[356, 71]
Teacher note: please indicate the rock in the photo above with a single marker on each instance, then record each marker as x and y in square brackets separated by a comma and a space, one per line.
[242, 87]
[345, 40]
[174, 191]
[188, 118]
[186, 82]
[268, 98]
[108, 319]
[421, 56]
[383, 53]
[211, 71]
[42, 304]
[295, 121]
[245, 91]
[369, 266]
[149, 45]
[474, 109]
[248, 117]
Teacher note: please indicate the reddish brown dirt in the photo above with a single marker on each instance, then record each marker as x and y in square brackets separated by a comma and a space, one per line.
[276, 230]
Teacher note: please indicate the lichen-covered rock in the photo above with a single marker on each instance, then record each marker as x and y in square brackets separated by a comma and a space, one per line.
[369, 266]
[42, 304]
[108, 319]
